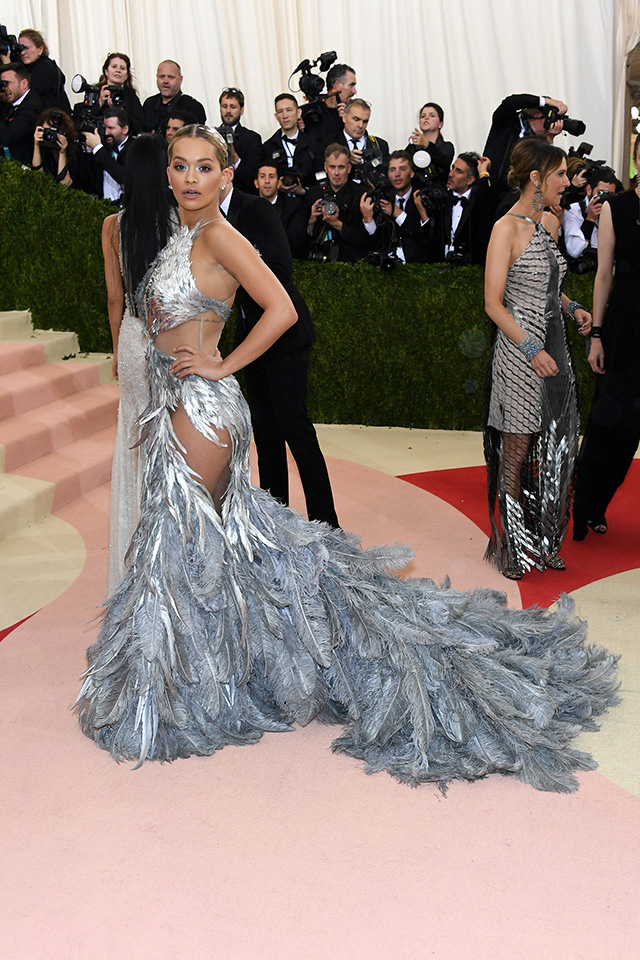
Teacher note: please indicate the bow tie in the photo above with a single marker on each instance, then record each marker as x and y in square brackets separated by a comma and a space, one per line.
[461, 200]
[289, 139]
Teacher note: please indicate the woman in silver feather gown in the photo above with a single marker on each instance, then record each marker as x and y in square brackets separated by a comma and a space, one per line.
[237, 616]
[531, 430]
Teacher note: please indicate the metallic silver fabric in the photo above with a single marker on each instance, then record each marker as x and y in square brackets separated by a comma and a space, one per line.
[530, 499]
[229, 624]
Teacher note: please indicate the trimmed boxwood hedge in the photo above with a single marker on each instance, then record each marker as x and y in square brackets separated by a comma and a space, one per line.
[406, 348]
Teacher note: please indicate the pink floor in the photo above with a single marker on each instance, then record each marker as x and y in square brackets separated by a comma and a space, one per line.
[283, 850]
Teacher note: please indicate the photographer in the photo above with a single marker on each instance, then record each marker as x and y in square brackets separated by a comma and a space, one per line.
[55, 147]
[291, 209]
[519, 115]
[175, 121]
[363, 149]
[46, 77]
[297, 157]
[108, 154]
[322, 120]
[335, 223]
[461, 226]
[244, 145]
[580, 221]
[19, 114]
[117, 90]
[402, 234]
[428, 136]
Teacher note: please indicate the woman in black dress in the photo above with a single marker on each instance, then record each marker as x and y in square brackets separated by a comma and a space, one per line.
[613, 430]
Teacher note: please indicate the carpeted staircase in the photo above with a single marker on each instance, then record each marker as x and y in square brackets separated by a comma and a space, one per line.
[57, 425]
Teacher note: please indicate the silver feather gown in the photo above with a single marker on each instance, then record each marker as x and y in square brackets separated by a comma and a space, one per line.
[228, 625]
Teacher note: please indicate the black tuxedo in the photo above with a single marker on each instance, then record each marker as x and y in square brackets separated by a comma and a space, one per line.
[308, 156]
[248, 146]
[276, 382]
[155, 113]
[293, 213]
[471, 238]
[352, 242]
[504, 133]
[102, 161]
[410, 234]
[17, 125]
[355, 167]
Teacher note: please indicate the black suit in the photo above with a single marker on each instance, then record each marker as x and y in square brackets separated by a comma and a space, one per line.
[276, 382]
[17, 125]
[352, 243]
[308, 156]
[248, 146]
[471, 238]
[371, 143]
[293, 213]
[156, 113]
[102, 161]
[410, 234]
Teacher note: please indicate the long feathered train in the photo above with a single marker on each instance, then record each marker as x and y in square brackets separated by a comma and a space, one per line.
[228, 625]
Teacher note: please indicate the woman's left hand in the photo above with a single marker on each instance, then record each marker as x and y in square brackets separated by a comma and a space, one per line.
[191, 360]
[584, 320]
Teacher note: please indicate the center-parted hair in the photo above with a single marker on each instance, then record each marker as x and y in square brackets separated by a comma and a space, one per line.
[197, 131]
[529, 154]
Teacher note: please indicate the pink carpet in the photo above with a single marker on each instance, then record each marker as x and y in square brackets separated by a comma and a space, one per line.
[283, 850]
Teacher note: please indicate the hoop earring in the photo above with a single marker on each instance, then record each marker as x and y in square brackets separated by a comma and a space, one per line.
[538, 199]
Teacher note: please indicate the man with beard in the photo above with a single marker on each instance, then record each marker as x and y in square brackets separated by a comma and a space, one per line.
[244, 145]
[21, 107]
[156, 109]
[109, 154]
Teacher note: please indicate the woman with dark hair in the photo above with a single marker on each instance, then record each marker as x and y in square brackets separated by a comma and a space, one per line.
[613, 430]
[55, 152]
[531, 419]
[45, 76]
[238, 616]
[116, 72]
[427, 137]
[130, 241]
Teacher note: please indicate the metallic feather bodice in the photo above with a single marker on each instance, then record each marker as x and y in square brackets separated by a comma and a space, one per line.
[169, 295]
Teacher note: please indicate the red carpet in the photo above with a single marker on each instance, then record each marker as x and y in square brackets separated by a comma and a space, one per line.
[595, 558]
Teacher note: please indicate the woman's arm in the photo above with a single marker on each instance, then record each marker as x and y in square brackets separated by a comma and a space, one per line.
[113, 278]
[36, 159]
[499, 259]
[228, 248]
[602, 284]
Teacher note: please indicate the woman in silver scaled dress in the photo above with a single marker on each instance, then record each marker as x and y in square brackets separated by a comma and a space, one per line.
[237, 616]
[531, 428]
[130, 241]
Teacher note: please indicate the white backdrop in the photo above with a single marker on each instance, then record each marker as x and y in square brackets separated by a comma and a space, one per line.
[465, 54]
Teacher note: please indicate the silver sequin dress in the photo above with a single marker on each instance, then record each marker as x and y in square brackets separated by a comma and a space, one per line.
[529, 529]
[229, 624]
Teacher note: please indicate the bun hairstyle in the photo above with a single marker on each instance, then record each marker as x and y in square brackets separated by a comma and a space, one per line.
[198, 131]
[532, 153]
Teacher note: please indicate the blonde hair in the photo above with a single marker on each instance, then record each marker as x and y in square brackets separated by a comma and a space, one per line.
[532, 153]
[197, 131]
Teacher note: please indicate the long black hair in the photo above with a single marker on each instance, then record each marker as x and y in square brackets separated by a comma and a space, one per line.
[148, 205]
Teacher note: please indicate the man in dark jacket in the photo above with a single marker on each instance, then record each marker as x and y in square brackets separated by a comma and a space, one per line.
[244, 145]
[156, 109]
[19, 114]
[297, 157]
[335, 224]
[276, 383]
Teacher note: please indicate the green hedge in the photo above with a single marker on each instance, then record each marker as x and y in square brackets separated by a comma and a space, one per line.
[407, 348]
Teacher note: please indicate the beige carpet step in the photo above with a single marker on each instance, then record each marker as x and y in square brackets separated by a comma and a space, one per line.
[23, 501]
[27, 389]
[40, 431]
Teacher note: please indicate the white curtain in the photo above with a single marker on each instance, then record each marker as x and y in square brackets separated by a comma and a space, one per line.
[465, 55]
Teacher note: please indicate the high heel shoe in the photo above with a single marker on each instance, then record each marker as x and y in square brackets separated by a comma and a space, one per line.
[598, 526]
[555, 563]
[514, 572]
